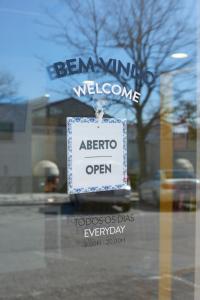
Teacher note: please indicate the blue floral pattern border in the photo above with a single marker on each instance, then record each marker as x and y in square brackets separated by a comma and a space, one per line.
[69, 122]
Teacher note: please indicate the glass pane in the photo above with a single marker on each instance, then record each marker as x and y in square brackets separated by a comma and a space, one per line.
[123, 60]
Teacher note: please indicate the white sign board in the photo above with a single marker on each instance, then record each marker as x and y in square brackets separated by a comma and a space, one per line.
[96, 155]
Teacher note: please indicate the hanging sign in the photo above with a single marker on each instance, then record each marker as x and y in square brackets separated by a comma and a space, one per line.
[96, 154]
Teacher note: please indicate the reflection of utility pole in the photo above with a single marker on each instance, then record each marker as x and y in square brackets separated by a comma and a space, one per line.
[166, 122]
[166, 162]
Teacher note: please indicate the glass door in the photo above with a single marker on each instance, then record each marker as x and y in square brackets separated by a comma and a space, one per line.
[99, 140]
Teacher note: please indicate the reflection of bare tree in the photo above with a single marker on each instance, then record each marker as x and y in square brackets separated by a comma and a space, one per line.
[144, 32]
[8, 86]
[186, 113]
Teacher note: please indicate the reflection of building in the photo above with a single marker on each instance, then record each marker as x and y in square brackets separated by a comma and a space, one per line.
[16, 145]
[53, 127]
[36, 131]
[49, 132]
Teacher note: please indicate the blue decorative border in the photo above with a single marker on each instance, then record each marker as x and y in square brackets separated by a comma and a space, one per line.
[69, 122]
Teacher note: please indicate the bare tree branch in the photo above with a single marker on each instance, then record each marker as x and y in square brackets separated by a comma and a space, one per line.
[147, 31]
[8, 86]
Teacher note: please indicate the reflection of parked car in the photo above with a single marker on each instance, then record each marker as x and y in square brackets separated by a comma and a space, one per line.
[120, 198]
[181, 184]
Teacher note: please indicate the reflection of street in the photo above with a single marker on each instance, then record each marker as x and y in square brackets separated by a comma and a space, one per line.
[41, 258]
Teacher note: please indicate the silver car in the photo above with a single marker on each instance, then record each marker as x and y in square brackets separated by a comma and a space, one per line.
[179, 185]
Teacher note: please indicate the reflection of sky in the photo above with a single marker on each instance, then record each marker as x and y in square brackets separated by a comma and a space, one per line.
[21, 44]
[22, 47]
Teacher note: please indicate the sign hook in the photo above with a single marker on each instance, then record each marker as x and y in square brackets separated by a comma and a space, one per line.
[99, 112]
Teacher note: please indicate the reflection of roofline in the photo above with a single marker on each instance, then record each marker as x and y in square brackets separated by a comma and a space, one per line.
[49, 104]
[63, 100]
[75, 100]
